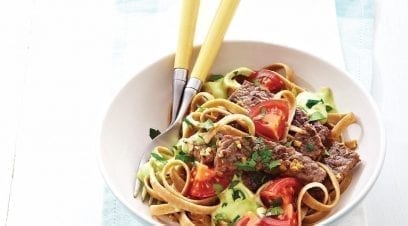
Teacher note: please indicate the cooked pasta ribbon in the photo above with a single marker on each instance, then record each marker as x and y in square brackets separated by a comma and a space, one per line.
[168, 175]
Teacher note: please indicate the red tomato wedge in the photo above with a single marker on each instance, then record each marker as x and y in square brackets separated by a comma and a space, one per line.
[284, 189]
[203, 179]
[268, 80]
[270, 118]
[269, 221]
[248, 220]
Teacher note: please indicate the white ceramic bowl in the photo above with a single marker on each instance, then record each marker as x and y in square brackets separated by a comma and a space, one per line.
[145, 102]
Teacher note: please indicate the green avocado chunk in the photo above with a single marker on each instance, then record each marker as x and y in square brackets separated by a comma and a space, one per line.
[235, 202]
[317, 104]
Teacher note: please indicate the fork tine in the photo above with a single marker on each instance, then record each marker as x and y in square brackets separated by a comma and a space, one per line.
[137, 188]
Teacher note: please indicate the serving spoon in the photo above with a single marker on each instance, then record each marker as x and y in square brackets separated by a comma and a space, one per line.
[205, 60]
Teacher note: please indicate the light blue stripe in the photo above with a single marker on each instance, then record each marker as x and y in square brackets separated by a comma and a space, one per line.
[355, 8]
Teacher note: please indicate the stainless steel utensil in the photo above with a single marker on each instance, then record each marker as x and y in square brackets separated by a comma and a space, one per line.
[184, 50]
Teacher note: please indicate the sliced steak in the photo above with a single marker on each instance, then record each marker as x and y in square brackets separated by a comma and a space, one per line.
[249, 95]
[300, 118]
[341, 160]
[297, 165]
[230, 150]
[324, 133]
[311, 143]
[203, 154]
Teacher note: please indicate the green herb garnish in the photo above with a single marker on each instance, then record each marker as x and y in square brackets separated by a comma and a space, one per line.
[247, 166]
[256, 82]
[265, 155]
[238, 194]
[158, 157]
[208, 124]
[275, 163]
[274, 211]
[309, 147]
[188, 122]
[153, 133]
[289, 143]
[219, 217]
[201, 138]
[236, 219]
[214, 78]
[310, 103]
[233, 183]
[185, 158]
[224, 204]
[328, 108]
[218, 188]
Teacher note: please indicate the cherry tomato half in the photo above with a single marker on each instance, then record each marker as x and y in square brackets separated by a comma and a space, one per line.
[270, 118]
[203, 179]
[284, 189]
[268, 79]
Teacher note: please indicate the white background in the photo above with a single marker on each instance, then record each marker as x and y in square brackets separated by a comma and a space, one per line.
[62, 61]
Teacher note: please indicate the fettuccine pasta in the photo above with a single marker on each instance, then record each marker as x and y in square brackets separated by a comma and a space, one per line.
[255, 149]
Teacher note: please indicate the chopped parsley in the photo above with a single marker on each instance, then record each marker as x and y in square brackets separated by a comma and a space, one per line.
[153, 133]
[328, 108]
[235, 73]
[238, 194]
[200, 108]
[289, 143]
[201, 138]
[214, 78]
[158, 157]
[274, 211]
[218, 188]
[209, 124]
[224, 204]
[233, 183]
[236, 219]
[185, 158]
[219, 217]
[309, 147]
[265, 155]
[272, 165]
[247, 166]
[256, 82]
[310, 103]
[188, 122]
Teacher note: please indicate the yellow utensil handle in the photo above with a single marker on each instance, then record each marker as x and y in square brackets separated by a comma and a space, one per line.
[186, 33]
[215, 36]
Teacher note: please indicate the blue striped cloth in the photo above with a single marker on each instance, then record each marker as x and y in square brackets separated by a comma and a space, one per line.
[355, 21]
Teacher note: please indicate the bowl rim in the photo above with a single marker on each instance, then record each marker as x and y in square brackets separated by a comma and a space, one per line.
[338, 214]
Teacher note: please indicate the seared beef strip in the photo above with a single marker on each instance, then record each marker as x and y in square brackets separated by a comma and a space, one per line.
[341, 160]
[315, 140]
[232, 150]
[312, 145]
[300, 118]
[203, 154]
[249, 95]
[324, 133]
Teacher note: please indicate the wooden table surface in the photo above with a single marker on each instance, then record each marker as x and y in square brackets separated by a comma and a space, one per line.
[31, 116]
